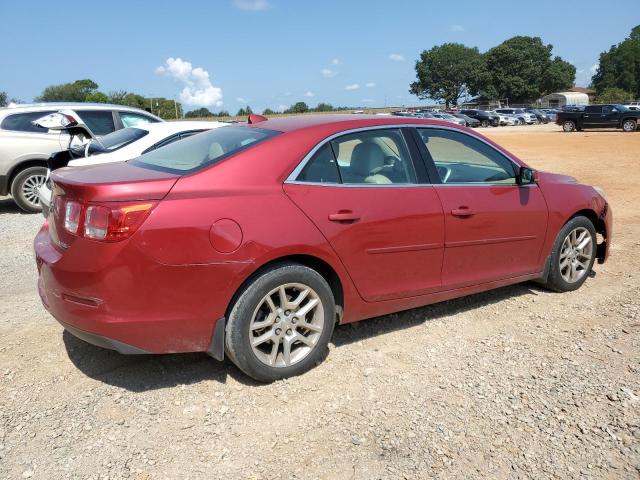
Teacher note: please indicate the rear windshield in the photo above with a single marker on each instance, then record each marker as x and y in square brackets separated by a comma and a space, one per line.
[116, 140]
[201, 150]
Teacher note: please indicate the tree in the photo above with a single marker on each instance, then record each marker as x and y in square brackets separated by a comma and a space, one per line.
[268, 111]
[97, 97]
[299, 107]
[447, 72]
[243, 112]
[77, 91]
[620, 66]
[223, 113]
[199, 113]
[614, 95]
[4, 100]
[323, 107]
[521, 70]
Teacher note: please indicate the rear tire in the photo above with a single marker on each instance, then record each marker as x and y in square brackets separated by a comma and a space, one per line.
[572, 256]
[569, 126]
[629, 126]
[484, 123]
[268, 336]
[24, 188]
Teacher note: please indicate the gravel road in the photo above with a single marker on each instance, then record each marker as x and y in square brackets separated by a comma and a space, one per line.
[514, 383]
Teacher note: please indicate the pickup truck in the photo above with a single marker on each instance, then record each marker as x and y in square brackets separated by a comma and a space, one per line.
[599, 116]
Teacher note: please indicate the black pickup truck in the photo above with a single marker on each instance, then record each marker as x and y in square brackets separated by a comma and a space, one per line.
[599, 116]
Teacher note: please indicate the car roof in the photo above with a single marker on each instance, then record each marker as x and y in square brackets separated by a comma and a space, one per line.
[338, 122]
[36, 107]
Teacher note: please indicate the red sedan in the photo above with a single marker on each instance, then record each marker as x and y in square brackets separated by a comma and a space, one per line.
[254, 240]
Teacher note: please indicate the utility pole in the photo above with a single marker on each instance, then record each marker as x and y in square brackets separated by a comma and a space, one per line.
[175, 104]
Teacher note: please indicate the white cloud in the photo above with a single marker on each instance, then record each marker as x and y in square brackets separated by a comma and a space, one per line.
[353, 86]
[328, 73]
[457, 28]
[198, 89]
[309, 94]
[251, 5]
[396, 57]
[335, 61]
[370, 84]
[282, 108]
[241, 100]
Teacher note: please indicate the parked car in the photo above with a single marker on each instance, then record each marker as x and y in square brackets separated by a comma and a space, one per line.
[469, 122]
[485, 118]
[599, 116]
[551, 113]
[508, 119]
[117, 146]
[247, 241]
[520, 114]
[450, 118]
[24, 147]
[541, 116]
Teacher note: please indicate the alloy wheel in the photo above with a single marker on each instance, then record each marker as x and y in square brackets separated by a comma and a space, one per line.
[569, 126]
[576, 254]
[629, 126]
[30, 188]
[287, 325]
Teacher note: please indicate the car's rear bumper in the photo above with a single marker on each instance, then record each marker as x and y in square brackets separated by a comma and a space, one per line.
[44, 197]
[123, 300]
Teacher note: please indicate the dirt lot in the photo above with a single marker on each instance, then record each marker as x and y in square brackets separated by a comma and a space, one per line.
[514, 383]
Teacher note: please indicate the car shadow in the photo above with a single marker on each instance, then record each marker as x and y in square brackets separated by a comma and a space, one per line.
[7, 206]
[140, 373]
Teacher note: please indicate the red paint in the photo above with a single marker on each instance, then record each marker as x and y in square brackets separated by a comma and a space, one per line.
[164, 288]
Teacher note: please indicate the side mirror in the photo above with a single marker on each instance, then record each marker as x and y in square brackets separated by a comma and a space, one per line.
[526, 176]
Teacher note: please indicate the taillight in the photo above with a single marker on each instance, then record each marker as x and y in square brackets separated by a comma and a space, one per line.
[114, 223]
[72, 216]
[108, 222]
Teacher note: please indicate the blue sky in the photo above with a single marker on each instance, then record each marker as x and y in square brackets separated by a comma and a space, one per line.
[272, 53]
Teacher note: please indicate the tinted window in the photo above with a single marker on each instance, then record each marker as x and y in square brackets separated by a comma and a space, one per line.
[21, 122]
[374, 157]
[100, 122]
[129, 119]
[593, 109]
[116, 140]
[202, 150]
[322, 168]
[460, 158]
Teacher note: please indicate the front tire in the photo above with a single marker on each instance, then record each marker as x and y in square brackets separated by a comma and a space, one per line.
[24, 188]
[569, 126]
[573, 254]
[281, 323]
[484, 123]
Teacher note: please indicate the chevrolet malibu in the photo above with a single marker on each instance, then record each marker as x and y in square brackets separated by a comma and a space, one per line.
[254, 240]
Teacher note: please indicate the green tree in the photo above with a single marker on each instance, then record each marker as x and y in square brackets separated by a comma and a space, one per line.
[268, 111]
[620, 66]
[4, 99]
[614, 95]
[77, 91]
[199, 113]
[97, 97]
[447, 72]
[243, 112]
[223, 113]
[323, 107]
[521, 70]
[299, 107]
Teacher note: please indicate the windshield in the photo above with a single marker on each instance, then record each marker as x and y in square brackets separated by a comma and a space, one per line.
[201, 150]
[115, 140]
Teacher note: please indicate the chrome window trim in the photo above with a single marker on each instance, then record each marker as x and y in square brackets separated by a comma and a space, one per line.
[291, 178]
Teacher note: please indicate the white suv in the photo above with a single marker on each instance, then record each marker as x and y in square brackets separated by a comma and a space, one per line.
[25, 147]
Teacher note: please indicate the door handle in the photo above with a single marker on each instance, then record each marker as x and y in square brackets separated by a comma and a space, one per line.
[462, 212]
[344, 216]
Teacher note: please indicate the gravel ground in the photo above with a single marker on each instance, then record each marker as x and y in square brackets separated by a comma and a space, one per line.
[514, 383]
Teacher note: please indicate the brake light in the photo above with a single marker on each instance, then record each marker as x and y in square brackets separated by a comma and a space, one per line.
[108, 222]
[115, 223]
[72, 216]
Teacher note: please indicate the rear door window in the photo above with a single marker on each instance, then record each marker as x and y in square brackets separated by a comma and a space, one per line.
[130, 119]
[100, 122]
[21, 122]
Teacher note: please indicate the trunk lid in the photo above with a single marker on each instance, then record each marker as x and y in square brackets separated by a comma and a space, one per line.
[115, 182]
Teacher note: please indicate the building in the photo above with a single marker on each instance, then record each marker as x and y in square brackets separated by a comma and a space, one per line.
[591, 93]
[560, 99]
